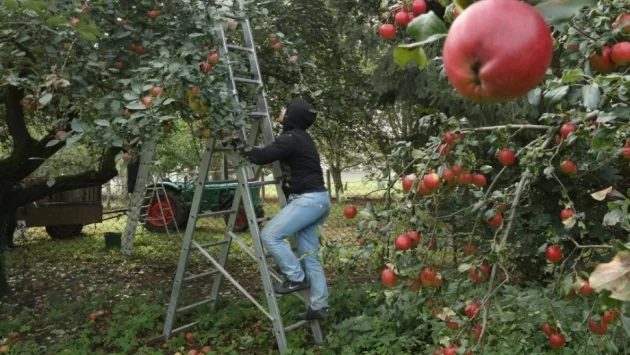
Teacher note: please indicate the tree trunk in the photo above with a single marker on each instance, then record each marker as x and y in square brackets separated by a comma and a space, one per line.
[335, 172]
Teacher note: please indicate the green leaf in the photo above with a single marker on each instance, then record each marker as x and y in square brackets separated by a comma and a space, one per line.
[559, 11]
[533, 96]
[572, 76]
[403, 54]
[556, 95]
[549, 172]
[461, 5]
[130, 96]
[591, 96]
[11, 4]
[427, 28]
[486, 169]
[136, 106]
[57, 20]
[78, 125]
[103, 123]
[167, 101]
[44, 100]
[52, 142]
[625, 322]
[86, 34]
[463, 267]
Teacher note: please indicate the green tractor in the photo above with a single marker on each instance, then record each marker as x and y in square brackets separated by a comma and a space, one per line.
[173, 205]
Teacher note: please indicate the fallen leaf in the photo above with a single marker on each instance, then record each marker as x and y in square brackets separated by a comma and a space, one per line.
[601, 195]
[614, 277]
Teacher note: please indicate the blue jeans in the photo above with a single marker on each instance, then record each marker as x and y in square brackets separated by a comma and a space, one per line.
[301, 216]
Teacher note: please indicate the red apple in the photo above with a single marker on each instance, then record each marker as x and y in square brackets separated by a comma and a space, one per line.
[620, 20]
[207, 349]
[167, 128]
[124, 22]
[620, 53]
[14, 336]
[423, 190]
[470, 249]
[452, 138]
[556, 341]
[193, 91]
[213, 58]
[568, 167]
[278, 46]
[119, 64]
[407, 183]
[444, 149]
[597, 328]
[496, 220]
[205, 67]
[139, 49]
[497, 50]
[193, 352]
[74, 21]
[471, 309]
[389, 277]
[431, 181]
[506, 157]
[415, 237]
[60, 135]
[273, 40]
[153, 14]
[429, 274]
[402, 18]
[602, 63]
[586, 289]
[465, 179]
[403, 242]
[553, 253]
[350, 211]
[293, 59]
[387, 32]
[93, 316]
[448, 175]
[189, 336]
[566, 129]
[566, 214]
[625, 153]
[418, 7]
[480, 180]
[362, 241]
[146, 101]
[156, 91]
[457, 169]
[482, 276]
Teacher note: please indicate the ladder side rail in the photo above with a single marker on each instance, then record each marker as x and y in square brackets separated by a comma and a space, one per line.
[188, 237]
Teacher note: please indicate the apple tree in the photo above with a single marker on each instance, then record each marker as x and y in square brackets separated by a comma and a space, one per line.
[499, 199]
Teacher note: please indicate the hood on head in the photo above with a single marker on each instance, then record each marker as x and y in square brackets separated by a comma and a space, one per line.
[300, 114]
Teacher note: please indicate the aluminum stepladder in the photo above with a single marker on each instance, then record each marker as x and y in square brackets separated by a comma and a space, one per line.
[260, 120]
[158, 193]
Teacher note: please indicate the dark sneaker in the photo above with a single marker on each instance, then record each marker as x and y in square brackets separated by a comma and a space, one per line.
[312, 314]
[289, 286]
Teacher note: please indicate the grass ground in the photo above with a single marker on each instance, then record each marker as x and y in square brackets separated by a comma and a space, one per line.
[58, 285]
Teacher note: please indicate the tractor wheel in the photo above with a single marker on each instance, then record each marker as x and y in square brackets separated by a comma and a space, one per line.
[167, 212]
[64, 231]
[241, 224]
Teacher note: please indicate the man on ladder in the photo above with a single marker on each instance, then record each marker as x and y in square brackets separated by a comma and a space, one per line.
[308, 206]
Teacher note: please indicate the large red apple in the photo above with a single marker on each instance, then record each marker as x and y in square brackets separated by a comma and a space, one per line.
[350, 211]
[566, 214]
[403, 242]
[448, 175]
[480, 180]
[146, 101]
[415, 237]
[496, 220]
[625, 153]
[553, 253]
[465, 179]
[431, 181]
[567, 129]
[497, 50]
[602, 63]
[205, 67]
[407, 183]
[418, 7]
[387, 31]
[481, 276]
[389, 277]
[213, 58]
[156, 91]
[568, 167]
[620, 53]
[402, 18]
[153, 14]
[506, 157]
[278, 46]
[423, 190]
[620, 20]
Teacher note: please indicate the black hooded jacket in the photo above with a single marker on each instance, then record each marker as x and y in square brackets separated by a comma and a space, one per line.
[302, 171]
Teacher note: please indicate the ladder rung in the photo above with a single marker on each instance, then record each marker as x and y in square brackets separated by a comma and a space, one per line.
[257, 114]
[262, 183]
[214, 213]
[248, 81]
[296, 325]
[239, 48]
[183, 327]
[196, 304]
[198, 276]
[213, 244]
[259, 220]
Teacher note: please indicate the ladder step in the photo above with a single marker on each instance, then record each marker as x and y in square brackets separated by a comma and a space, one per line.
[184, 327]
[262, 183]
[213, 244]
[264, 219]
[257, 114]
[198, 276]
[214, 213]
[239, 48]
[247, 81]
[295, 326]
[196, 304]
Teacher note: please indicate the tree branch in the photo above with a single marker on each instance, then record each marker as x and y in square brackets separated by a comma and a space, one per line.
[23, 195]
[15, 120]
[510, 126]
